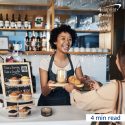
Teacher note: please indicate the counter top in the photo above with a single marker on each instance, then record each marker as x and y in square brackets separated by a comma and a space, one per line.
[67, 115]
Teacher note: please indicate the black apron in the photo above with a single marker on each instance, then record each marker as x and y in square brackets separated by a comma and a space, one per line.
[58, 96]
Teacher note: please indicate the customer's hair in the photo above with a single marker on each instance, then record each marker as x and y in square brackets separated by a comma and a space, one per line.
[121, 58]
[56, 31]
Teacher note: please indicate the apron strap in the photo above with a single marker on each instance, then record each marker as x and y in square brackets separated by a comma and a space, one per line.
[68, 55]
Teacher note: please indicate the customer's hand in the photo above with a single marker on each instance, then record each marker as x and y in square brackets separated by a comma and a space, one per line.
[69, 87]
[92, 85]
[84, 78]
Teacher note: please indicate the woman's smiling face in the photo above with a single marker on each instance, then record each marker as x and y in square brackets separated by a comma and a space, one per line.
[64, 42]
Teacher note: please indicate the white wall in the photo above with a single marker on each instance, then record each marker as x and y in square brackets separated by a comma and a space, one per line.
[94, 66]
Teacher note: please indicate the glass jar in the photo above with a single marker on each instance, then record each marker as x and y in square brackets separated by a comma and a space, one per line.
[61, 75]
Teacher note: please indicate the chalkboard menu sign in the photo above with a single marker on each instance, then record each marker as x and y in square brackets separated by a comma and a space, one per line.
[16, 79]
[17, 70]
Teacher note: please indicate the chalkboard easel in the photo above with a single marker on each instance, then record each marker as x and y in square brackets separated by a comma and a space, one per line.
[9, 70]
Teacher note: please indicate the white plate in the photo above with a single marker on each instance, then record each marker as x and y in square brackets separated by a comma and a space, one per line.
[63, 84]
[19, 100]
[58, 85]
[17, 85]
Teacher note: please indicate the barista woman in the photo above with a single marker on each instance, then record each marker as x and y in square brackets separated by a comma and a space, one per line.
[61, 39]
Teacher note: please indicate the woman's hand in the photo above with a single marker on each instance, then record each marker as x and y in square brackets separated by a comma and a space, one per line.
[69, 87]
[47, 89]
[51, 82]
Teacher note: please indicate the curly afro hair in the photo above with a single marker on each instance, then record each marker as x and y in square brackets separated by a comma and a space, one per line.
[56, 31]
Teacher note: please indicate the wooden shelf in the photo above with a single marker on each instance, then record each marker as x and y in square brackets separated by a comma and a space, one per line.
[42, 29]
[38, 53]
[92, 31]
[50, 53]
[73, 53]
[17, 29]
[77, 10]
[23, 4]
[4, 52]
[90, 53]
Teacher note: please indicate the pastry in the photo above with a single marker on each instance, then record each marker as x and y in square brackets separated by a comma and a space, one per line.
[14, 107]
[74, 80]
[14, 96]
[25, 80]
[28, 109]
[12, 113]
[27, 96]
[23, 112]
[14, 81]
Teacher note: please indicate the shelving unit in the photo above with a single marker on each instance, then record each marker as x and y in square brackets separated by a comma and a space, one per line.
[49, 12]
[50, 53]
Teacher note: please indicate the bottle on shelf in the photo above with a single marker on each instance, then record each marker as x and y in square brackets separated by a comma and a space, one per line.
[27, 42]
[44, 42]
[19, 22]
[33, 41]
[7, 22]
[38, 42]
[1, 21]
[41, 38]
[26, 22]
[12, 23]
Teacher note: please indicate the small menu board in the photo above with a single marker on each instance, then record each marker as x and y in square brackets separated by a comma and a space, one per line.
[11, 75]
[14, 70]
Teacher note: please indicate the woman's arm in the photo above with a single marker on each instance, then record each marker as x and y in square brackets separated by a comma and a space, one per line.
[99, 101]
[44, 82]
[79, 73]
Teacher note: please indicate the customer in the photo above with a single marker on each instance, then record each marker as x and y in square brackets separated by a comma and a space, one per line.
[61, 39]
[101, 100]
